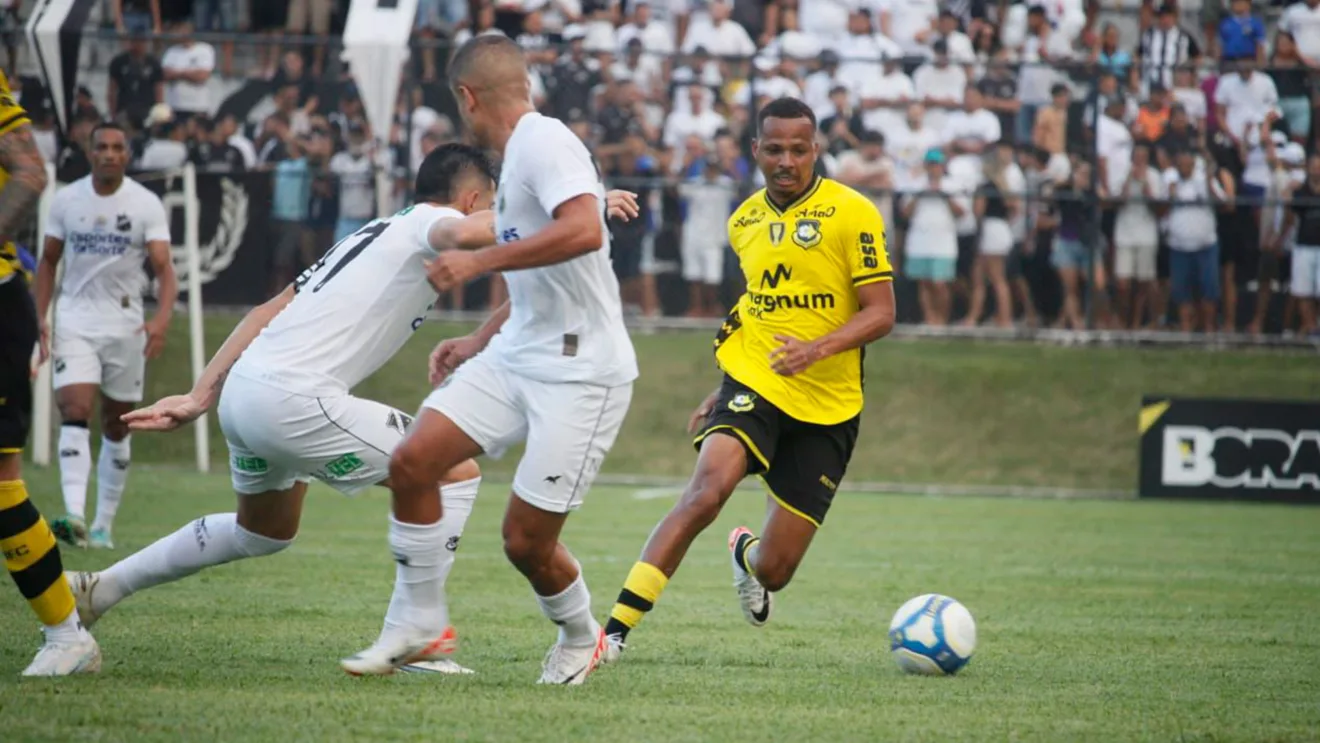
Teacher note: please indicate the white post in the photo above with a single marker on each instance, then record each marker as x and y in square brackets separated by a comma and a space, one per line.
[196, 332]
[41, 393]
[385, 205]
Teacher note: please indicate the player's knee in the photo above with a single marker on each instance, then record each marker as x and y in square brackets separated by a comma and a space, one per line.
[75, 412]
[409, 469]
[113, 428]
[524, 551]
[702, 501]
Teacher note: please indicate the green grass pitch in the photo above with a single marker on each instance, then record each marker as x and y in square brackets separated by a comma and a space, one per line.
[1098, 621]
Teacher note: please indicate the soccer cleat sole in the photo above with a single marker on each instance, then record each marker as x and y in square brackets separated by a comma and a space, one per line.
[437, 649]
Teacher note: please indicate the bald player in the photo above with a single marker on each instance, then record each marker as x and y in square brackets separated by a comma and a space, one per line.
[553, 367]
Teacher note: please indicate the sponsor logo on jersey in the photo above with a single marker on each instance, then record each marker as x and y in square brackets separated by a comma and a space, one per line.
[776, 233]
[763, 304]
[816, 212]
[806, 234]
[752, 217]
[782, 273]
[742, 402]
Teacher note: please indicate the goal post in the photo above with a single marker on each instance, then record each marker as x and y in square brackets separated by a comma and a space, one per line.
[192, 241]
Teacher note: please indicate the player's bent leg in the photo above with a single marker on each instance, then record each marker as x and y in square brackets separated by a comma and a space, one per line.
[721, 465]
[32, 559]
[75, 401]
[264, 524]
[111, 470]
[774, 558]
[531, 542]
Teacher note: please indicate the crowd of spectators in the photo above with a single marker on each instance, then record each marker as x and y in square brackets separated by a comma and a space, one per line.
[1035, 161]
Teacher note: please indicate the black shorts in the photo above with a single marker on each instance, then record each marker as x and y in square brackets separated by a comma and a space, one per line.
[18, 337]
[801, 463]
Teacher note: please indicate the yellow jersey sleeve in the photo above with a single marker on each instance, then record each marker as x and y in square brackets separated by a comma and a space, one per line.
[868, 257]
[12, 115]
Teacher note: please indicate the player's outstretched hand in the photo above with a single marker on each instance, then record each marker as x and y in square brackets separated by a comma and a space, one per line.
[452, 268]
[702, 412]
[166, 415]
[621, 205]
[793, 356]
[450, 355]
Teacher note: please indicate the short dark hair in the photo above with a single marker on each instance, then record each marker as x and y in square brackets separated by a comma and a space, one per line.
[785, 108]
[106, 126]
[476, 51]
[446, 166]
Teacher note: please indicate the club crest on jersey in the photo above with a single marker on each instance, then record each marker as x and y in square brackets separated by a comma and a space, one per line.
[742, 402]
[776, 233]
[807, 233]
[123, 223]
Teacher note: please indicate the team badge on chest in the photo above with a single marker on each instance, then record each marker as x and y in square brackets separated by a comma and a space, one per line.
[807, 233]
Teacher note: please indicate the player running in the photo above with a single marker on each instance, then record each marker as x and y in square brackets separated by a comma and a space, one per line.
[31, 555]
[287, 411]
[100, 226]
[552, 367]
[818, 290]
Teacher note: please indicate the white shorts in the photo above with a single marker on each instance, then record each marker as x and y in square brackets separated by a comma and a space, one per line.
[996, 237]
[115, 363]
[569, 427]
[1306, 271]
[703, 258]
[1135, 260]
[277, 438]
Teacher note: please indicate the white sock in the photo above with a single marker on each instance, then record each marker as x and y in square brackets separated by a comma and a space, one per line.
[456, 502]
[418, 602]
[571, 610]
[111, 476]
[70, 630]
[75, 467]
[208, 541]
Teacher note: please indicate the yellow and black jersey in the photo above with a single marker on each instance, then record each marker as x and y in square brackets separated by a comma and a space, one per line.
[12, 116]
[802, 263]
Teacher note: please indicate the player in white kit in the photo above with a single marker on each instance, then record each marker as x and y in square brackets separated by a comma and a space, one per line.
[286, 408]
[103, 227]
[553, 367]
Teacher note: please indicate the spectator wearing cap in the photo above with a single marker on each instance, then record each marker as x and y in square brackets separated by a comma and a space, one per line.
[573, 78]
[1241, 34]
[1194, 252]
[940, 85]
[931, 260]
[1164, 47]
[843, 126]
[136, 83]
[709, 200]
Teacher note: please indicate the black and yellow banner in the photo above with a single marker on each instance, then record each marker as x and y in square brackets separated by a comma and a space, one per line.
[1230, 449]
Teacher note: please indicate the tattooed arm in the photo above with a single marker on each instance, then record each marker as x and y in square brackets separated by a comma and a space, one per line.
[27, 179]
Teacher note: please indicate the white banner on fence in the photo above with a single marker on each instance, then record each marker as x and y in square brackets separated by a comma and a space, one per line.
[54, 32]
[375, 47]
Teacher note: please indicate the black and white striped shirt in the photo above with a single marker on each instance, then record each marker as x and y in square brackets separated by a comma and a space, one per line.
[1161, 51]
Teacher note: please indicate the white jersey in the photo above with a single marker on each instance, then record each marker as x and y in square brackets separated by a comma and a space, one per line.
[354, 309]
[105, 240]
[565, 321]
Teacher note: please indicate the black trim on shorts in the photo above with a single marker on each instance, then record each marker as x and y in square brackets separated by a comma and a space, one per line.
[345, 430]
[802, 463]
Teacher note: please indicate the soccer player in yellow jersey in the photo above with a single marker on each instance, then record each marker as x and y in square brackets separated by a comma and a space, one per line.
[819, 288]
[31, 557]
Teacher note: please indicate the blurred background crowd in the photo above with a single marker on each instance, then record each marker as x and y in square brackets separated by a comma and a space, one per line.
[1114, 164]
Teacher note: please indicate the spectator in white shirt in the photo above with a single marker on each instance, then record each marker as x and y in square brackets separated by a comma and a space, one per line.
[645, 70]
[940, 85]
[909, 145]
[1302, 20]
[972, 131]
[1036, 76]
[355, 168]
[709, 200]
[698, 120]
[861, 49]
[166, 149]
[657, 37]
[886, 96]
[827, 20]
[932, 254]
[722, 37]
[869, 170]
[188, 67]
[959, 45]
[912, 26]
[819, 86]
[1243, 98]
[1138, 189]
[1192, 238]
[1190, 95]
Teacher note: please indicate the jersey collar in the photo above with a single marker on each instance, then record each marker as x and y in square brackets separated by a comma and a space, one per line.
[811, 191]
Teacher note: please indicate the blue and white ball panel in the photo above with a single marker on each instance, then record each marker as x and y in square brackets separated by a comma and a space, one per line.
[932, 635]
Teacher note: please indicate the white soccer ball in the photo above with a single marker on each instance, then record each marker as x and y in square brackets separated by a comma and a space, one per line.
[932, 635]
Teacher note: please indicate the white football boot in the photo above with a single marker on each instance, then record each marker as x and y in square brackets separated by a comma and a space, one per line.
[84, 586]
[755, 600]
[391, 653]
[570, 666]
[66, 658]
